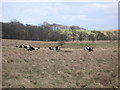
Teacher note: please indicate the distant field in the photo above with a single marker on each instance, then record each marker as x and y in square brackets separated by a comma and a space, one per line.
[68, 31]
[87, 31]
[71, 67]
[108, 30]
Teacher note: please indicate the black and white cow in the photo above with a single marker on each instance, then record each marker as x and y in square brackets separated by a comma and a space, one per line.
[90, 49]
[20, 46]
[32, 48]
[36, 48]
[27, 46]
[51, 48]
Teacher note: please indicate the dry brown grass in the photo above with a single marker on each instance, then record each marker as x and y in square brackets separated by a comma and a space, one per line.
[69, 67]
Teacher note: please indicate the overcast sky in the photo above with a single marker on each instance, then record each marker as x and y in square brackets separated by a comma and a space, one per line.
[89, 15]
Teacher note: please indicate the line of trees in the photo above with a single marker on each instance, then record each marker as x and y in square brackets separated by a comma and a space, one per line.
[43, 32]
[94, 35]
[51, 32]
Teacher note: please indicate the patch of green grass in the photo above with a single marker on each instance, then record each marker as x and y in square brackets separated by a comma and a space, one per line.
[5, 75]
[78, 77]
[77, 45]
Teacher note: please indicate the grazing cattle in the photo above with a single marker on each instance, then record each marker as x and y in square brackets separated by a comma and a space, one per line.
[51, 48]
[20, 46]
[90, 49]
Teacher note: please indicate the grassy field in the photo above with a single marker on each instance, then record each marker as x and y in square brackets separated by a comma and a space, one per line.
[86, 31]
[69, 32]
[71, 67]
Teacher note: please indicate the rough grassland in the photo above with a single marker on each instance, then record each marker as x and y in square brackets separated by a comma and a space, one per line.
[70, 67]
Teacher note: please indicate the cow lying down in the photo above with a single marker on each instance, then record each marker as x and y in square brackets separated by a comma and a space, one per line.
[32, 48]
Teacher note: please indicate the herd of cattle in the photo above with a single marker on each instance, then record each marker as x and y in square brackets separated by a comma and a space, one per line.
[30, 48]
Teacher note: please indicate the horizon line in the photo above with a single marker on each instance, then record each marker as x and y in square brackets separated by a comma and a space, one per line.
[60, 24]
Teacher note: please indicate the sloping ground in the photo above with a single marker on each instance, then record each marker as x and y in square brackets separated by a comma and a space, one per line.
[86, 31]
[68, 67]
[108, 30]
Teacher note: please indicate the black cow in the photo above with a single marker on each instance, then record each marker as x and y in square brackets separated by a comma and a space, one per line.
[57, 48]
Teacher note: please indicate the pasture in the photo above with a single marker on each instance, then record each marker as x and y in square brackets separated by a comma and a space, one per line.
[71, 67]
